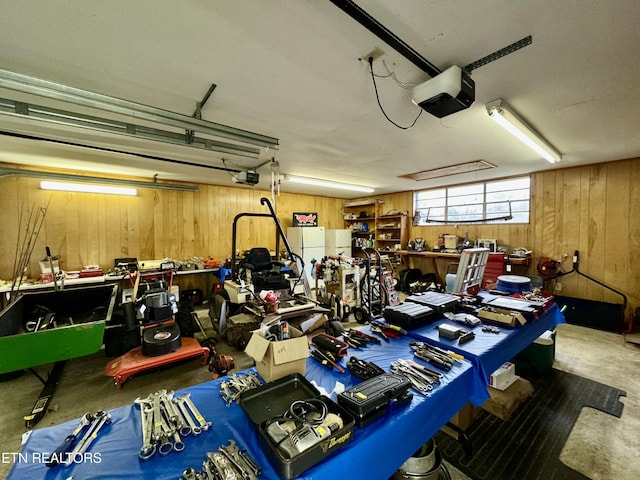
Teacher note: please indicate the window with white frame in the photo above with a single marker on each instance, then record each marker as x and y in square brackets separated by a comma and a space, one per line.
[475, 203]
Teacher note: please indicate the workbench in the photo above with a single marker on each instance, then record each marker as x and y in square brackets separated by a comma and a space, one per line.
[5, 291]
[407, 257]
[377, 451]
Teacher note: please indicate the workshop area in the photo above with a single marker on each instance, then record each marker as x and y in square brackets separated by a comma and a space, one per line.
[319, 239]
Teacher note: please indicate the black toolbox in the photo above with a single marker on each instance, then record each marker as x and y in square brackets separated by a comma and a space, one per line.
[270, 401]
[409, 315]
[440, 302]
[373, 398]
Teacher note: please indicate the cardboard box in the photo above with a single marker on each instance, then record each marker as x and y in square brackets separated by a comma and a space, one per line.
[504, 402]
[279, 359]
[463, 420]
[503, 377]
[501, 316]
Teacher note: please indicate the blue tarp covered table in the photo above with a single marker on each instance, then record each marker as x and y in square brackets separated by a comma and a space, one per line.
[488, 351]
[377, 452]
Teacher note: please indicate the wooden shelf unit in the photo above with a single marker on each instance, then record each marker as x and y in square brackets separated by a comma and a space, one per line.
[371, 229]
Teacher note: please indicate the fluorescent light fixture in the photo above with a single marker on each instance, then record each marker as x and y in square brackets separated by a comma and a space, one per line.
[87, 188]
[449, 170]
[504, 116]
[327, 184]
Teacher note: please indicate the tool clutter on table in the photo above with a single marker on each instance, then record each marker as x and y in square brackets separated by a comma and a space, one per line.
[87, 431]
[165, 420]
[228, 462]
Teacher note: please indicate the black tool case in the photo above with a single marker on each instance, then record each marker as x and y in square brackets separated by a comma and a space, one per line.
[373, 398]
[409, 315]
[271, 400]
[440, 302]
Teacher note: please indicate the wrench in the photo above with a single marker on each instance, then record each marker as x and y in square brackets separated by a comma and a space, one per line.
[195, 429]
[222, 465]
[101, 418]
[165, 446]
[204, 425]
[54, 459]
[148, 448]
[232, 453]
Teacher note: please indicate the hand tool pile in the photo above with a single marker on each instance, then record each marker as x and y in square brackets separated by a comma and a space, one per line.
[165, 420]
[386, 330]
[227, 463]
[328, 350]
[231, 389]
[357, 339]
[490, 329]
[363, 369]
[90, 424]
[434, 355]
[422, 378]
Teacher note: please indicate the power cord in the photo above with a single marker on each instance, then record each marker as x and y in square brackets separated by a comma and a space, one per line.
[375, 87]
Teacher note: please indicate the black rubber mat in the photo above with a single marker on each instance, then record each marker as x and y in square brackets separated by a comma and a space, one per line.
[527, 446]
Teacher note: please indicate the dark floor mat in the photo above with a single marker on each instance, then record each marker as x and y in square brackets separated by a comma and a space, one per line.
[528, 445]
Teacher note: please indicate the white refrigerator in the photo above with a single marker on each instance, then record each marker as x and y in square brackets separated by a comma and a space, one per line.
[337, 242]
[308, 242]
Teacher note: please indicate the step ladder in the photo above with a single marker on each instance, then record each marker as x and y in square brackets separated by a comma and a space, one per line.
[470, 269]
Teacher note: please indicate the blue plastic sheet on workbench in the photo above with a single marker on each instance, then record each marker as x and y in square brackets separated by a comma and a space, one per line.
[488, 351]
[377, 452]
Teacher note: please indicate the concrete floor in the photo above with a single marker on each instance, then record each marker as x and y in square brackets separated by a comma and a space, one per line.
[600, 446]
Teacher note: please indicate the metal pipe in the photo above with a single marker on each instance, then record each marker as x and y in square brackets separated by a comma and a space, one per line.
[46, 88]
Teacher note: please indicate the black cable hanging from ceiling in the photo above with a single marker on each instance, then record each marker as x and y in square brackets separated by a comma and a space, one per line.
[375, 87]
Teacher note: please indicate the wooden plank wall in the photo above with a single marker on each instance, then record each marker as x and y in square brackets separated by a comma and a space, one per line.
[594, 209]
[87, 229]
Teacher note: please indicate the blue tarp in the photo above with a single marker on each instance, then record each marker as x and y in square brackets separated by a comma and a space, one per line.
[377, 452]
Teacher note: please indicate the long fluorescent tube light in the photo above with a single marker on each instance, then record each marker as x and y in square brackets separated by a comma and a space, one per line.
[504, 116]
[328, 184]
[86, 188]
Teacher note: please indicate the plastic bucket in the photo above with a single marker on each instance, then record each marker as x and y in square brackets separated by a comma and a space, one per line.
[423, 465]
[514, 284]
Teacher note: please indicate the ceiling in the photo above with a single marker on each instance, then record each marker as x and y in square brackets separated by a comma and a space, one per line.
[291, 69]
